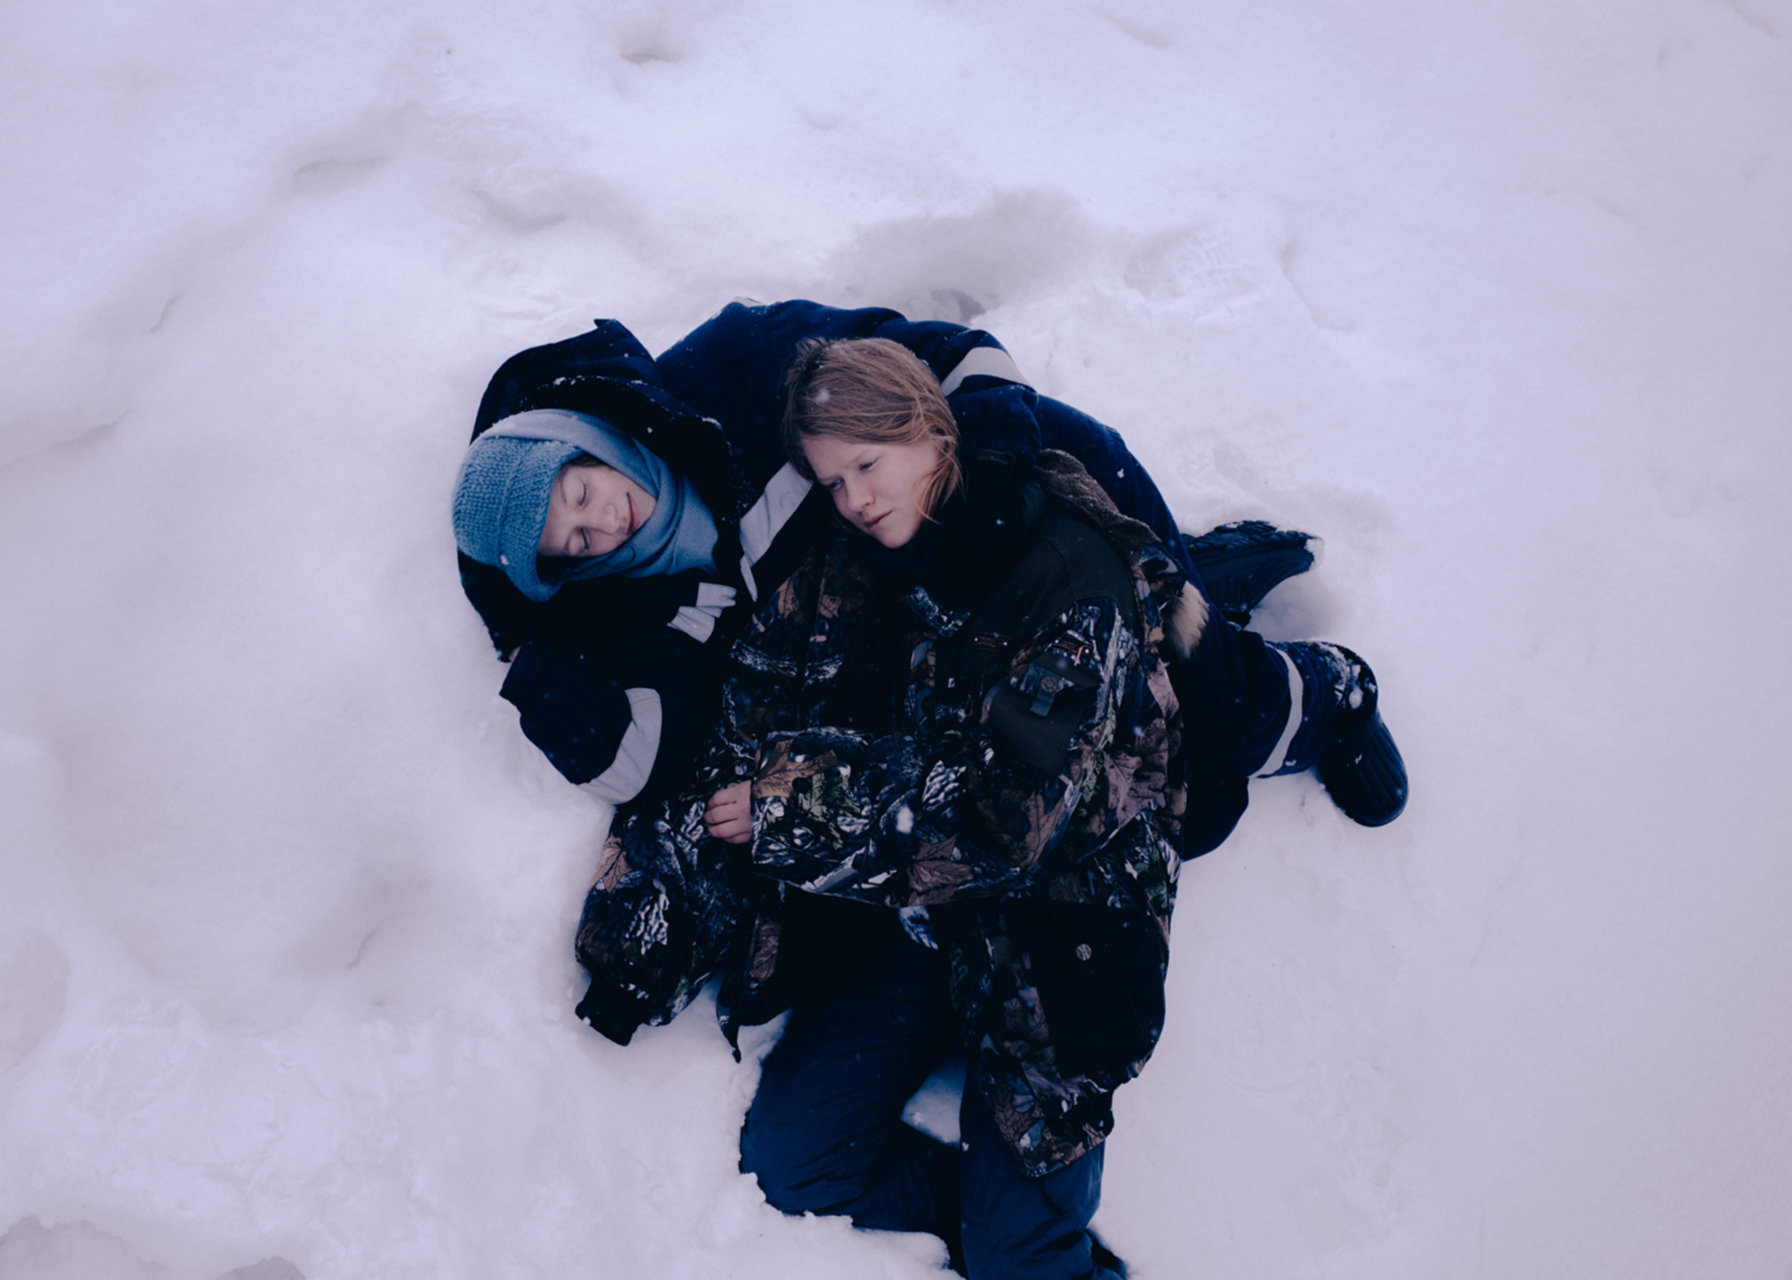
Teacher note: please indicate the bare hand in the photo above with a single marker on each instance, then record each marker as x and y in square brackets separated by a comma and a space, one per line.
[729, 815]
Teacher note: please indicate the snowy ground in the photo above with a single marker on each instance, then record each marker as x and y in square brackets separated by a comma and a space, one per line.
[1495, 297]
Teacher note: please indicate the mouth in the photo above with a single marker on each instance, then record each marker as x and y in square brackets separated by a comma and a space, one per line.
[875, 521]
[633, 521]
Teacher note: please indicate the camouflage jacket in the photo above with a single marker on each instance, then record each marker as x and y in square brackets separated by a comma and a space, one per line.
[1005, 777]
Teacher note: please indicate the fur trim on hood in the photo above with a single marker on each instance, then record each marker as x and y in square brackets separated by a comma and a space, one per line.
[1064, 478]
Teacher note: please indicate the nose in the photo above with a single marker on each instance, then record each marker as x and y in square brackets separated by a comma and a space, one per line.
[858, 496]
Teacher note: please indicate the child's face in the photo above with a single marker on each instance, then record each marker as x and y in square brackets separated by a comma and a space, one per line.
[592, 510]
[878, 488]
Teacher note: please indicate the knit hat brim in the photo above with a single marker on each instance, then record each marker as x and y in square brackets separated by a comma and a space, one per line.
[501, 504]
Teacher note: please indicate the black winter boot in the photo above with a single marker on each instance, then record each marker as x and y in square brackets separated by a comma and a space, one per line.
[1361, 768]
[1240, 563]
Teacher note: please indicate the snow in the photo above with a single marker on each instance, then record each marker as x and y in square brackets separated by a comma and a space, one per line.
[1494, 298]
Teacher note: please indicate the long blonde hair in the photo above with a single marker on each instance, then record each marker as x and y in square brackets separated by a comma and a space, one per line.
[870, 391]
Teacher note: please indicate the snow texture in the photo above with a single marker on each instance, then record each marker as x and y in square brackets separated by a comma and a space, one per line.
[1496, 298]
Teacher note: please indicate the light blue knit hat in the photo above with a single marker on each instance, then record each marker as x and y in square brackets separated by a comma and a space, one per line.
[501, 504]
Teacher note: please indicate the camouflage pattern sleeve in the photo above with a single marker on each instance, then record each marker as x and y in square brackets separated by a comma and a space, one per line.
[980, 804]
[657, 921]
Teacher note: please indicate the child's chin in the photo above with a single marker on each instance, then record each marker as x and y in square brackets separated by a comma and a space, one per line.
[894, 538]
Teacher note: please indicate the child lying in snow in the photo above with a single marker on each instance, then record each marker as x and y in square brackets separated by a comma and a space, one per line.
[940, 814]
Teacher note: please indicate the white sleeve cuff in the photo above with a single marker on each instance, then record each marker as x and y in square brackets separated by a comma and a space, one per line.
[628, 773]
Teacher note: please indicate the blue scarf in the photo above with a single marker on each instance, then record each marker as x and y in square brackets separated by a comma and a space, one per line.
[679, 535]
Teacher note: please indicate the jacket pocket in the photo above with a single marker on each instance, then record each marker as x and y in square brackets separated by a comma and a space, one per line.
[1100, 977]
[1037, 712]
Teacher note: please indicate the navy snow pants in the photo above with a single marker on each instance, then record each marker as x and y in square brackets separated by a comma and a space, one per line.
[825, 1132]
